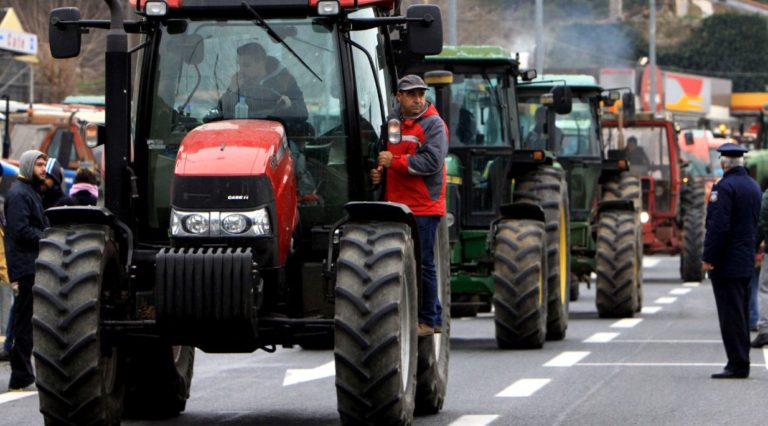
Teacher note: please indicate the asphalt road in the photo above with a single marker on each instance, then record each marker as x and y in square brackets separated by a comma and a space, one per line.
[650, 370]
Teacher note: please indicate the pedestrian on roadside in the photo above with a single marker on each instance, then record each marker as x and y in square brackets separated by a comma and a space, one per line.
[5, 351]
[51, 189]
[416, 177]
[762, 293]
[25, 225]
[84, 191]
[729, 255]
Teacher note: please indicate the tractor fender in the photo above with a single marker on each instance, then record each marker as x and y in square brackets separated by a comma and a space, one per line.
[100, 216]
[522, 211]
[385, 211]
[614, 205]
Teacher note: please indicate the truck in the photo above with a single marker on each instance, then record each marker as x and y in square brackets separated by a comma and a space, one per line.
[673, 200]
[204, 240]
[604, 202]
[505, 253]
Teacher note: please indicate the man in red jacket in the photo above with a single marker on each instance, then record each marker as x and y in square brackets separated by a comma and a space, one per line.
[416, 177]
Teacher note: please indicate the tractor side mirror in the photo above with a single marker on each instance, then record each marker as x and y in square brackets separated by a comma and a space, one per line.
[628, 105]
[91, 133]
[688, 138]
[425, 29]
[561, 100]
[528, 75]
[64, 38]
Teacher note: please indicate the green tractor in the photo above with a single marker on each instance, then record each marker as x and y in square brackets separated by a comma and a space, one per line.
[560, 117]
[505, 243]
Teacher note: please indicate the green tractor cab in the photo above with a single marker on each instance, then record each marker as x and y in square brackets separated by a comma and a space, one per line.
[603, 199]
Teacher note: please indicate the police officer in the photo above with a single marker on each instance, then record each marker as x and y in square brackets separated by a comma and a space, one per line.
[729, 255]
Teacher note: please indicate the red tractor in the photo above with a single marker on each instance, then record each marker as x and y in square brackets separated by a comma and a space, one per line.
[673, 204]
[233, 228]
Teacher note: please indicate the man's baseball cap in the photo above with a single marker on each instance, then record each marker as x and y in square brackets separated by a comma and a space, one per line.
[730, 149]
[411, 82]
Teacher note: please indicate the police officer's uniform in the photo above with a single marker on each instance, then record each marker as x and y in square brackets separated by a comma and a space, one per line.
[729, 245]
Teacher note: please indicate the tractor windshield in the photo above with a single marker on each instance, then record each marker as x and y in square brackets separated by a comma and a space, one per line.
[476, 110]
[574, 135]
[205, 71]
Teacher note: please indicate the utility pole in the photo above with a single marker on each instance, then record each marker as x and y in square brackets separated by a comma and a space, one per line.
[652, 51]
[540, 37]
[452, 22]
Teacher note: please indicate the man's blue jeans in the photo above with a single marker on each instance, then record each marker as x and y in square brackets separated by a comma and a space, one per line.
[430, 312]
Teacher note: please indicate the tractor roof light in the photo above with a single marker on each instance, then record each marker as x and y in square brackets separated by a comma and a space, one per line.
[156, 8]
[622, 164]
[538, 155]
[328, 8]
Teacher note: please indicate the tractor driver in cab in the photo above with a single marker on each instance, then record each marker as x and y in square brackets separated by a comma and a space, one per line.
[636, 155]
[537, 136]
[265, 86]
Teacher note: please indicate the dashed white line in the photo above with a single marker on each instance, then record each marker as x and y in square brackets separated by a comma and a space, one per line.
[474, 420]
[566, 359]
[765, 356]
[13, 396]
[699, 341]
[650, 309]
[656, 364]
[626, 323]
[601, 338]
[691, 284]
[523, 388]
[666, 300]
[650, 263]
[680, 291]
[293, 376]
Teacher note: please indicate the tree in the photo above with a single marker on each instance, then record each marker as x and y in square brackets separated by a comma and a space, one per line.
[728, 46]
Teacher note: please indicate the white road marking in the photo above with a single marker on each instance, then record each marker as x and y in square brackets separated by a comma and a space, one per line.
[765, 356]
[627, 323]
[680, 291]
[650, 263]
[691, 284]
[523, 388]
[650, 309]
[474, 420]
[656, 364]
[666, 300]
[719, 342]
[293, 376]
[600, 338]
[13, 396]
[566, 359]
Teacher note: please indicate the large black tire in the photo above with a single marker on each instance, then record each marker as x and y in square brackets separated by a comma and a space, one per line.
[617, 265]
[520, 292]
[78, 373]
[693, 209]
[546, 187]
[375, 324]
[157, 380]
[432, 376]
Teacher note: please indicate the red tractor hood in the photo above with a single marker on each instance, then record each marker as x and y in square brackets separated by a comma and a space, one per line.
[230, 148]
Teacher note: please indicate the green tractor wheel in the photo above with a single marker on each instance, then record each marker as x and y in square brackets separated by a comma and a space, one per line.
[617, 265]
[520, 290]
[694, 210]
[546, 187]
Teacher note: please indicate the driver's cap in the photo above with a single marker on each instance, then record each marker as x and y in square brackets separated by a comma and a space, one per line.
[411, 82]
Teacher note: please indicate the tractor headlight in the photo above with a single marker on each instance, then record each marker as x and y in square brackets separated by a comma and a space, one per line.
[156, 8]
[220, 224]
[644, 217]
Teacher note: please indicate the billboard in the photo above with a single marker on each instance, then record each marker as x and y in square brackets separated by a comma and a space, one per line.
[687, 93]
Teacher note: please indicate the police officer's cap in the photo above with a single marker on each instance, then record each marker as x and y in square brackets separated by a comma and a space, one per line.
[411, 82]
[729, 149]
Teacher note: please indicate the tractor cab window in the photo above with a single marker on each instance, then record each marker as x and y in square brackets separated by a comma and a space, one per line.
[572, 135]
[647, 149]
[477, 110]
[214, 71]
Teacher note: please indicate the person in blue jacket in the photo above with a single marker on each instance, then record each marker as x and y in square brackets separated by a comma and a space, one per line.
[729, 255]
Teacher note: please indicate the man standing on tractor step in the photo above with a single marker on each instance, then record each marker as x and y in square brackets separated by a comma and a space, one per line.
[25, 223]
[416, 177]
[729, 255]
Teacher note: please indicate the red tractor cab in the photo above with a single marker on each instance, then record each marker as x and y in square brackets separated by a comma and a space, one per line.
[673, 214]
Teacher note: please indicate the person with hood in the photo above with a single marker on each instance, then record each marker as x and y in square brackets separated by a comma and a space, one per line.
[25, 223]
[416, 177]
[84, 191]
[265, 86]
[51, 189]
